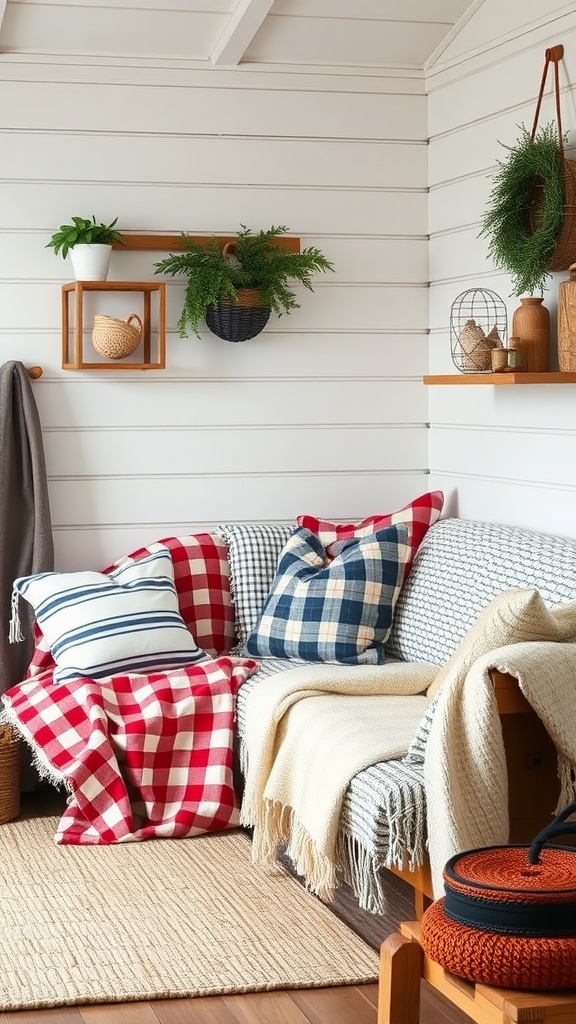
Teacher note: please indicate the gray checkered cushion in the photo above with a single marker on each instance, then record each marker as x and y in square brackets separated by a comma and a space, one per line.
[460, 567]
[253, 553]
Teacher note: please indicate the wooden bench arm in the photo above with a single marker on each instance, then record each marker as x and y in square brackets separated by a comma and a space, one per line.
[509, 696]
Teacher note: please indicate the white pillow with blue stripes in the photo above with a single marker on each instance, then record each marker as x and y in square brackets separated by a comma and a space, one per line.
[101, 625]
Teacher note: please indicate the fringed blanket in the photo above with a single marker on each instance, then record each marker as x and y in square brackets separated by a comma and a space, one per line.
[141, 756]
[465, 765]
[308, 731]
[465, 770]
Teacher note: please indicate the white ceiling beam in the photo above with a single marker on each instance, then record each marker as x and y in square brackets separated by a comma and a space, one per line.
[239, 32]
[454, 31]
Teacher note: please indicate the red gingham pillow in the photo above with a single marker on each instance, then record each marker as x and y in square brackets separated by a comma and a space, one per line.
[202, 581]
[418, 515]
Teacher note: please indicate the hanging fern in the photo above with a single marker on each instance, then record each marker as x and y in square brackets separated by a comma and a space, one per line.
[526, 209]
[258, 262]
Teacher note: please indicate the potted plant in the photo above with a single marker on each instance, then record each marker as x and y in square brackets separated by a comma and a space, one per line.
[235, 288]
[529, 219]
[89, 245]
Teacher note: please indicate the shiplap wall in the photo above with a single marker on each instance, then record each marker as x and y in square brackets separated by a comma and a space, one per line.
[500, 453]
[324, 412]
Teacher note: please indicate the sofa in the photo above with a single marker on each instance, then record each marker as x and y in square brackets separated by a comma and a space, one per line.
[454, 570]
[460, 567]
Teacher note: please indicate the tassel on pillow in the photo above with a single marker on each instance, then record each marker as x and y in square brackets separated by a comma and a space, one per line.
[15, 634]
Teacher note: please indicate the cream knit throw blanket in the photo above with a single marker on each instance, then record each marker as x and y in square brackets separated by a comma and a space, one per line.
[308, 731]
[465, 767]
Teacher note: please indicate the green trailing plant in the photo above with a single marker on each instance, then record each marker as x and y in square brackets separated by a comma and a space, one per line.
[258, 262]
[83, 232]
[526, 208]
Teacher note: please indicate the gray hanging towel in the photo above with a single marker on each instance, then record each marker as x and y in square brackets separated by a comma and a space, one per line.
[26, 544]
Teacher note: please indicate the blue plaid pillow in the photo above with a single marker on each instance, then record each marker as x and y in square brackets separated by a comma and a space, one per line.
[333, 611]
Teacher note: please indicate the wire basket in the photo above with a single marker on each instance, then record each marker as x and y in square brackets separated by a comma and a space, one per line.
[9, 774]
[478, 324]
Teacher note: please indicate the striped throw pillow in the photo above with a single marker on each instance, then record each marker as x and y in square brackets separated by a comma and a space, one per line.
[101, 625]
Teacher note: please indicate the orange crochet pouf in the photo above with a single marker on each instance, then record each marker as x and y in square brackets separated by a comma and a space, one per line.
[508, 917]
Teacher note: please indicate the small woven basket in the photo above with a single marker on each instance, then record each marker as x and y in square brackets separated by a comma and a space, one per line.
[9, 774]
[116, 339]
[508, 917]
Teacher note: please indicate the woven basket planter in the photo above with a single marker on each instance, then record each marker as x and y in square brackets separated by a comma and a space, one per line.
[9, 774]
[508, 917]
[563, 254]
[116, 339]
[240, 320]
[565, 247]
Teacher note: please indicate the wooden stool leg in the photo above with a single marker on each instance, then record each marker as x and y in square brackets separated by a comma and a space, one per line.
[399, 984]
[421, 903]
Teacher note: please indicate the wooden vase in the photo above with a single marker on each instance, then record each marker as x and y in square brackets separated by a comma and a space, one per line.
[531, 323]
[567, 323]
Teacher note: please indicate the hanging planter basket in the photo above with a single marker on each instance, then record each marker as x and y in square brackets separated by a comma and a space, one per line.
[531, 216]
[240, 320]
[563, 253]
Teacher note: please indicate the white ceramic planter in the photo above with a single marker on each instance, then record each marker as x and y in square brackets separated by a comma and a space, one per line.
[91, 262]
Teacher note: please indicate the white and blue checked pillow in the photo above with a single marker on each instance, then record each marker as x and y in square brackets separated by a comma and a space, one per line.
[333, 611]
[104, 625]
[253, 553]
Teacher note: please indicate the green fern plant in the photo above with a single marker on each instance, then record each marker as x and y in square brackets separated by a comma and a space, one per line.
[526, 209]
[83, 231]
[258, 262]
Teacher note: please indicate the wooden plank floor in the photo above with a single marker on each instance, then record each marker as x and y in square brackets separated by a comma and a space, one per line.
[346, 1005]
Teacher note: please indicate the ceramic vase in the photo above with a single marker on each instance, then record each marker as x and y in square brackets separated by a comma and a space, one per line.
[531, 323]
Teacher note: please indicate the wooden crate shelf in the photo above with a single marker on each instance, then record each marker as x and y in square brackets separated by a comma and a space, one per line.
[73, 327]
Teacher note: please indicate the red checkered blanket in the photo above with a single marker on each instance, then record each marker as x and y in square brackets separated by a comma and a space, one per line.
[142, 756]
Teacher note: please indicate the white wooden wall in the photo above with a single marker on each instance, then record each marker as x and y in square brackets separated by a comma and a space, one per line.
[324, 412]
[505, 454]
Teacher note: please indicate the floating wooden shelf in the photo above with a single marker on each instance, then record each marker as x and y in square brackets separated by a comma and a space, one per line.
[501, 379]
[168, 243]
[73, 329]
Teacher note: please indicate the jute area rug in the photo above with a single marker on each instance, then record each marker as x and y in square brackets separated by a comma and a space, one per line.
[158, 920]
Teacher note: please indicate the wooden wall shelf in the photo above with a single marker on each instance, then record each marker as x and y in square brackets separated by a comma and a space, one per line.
[168, 243]
[501, 379]
[73, 328]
